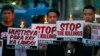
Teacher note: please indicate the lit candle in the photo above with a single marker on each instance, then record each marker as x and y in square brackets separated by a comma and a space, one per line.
[22, 24]
[95, 21]
[70, 18]
[45, 20]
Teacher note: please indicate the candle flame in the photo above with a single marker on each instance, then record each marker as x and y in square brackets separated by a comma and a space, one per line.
[45, 20]
[22, 24]
[95, 21]
[70, 17]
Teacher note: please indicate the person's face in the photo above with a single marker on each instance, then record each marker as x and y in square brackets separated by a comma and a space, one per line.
[88, 15]
[52, 17]
[7, 15]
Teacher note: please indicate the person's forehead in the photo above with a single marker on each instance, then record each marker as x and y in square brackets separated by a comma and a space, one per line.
[8, 11]
[88, 11]
[52, 13]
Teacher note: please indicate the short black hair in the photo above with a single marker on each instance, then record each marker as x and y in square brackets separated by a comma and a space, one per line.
[7, 7]
[38, 19]
[89, 7]
[54, 10]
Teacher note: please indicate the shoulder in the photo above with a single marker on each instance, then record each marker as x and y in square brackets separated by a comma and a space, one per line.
[1, 25]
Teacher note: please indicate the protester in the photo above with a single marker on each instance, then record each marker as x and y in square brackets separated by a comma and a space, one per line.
[7, 14]
[88, 16]
[89, 13]
[54, 49]
[38, 19]
[52, 16]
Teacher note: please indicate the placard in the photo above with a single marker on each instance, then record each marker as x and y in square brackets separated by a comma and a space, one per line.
[95, 31]
[22, 38]
[70, 29]
[46, 31]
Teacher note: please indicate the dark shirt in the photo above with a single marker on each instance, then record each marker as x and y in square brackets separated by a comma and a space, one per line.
[55, 50]
[6, 52]
[87, 32]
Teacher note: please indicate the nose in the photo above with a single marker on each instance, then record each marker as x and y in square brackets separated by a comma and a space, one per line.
[87, 16]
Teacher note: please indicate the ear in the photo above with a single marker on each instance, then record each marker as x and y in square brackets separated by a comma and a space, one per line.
[13, 15]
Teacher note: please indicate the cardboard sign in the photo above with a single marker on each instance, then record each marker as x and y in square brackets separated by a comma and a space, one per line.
[70, 29]
[1, 47]
[46, 31]
[95, 31]
[22, 38]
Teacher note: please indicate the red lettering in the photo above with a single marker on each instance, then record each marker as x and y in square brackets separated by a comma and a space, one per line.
[72, 26]
[46, 36]
[62, 26]
[60, 32]
[12, 41]
[95, 31]
[11, 31]
[99, 27]
[27, 42]
[41, 28]
[73, 33]
[53, 30]
[78, 25]
[45, 29]
[48, 29]
[35, 33]
[29, 37]
[16, 37]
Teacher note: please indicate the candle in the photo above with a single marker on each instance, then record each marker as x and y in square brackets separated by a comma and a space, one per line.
[45, 20]
[95, 21]
[70, 18]
[22, 24]
[21, 52]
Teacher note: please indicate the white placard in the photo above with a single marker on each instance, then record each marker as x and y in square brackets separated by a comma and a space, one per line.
[46, 31]
[22, 38]
[70, 29]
